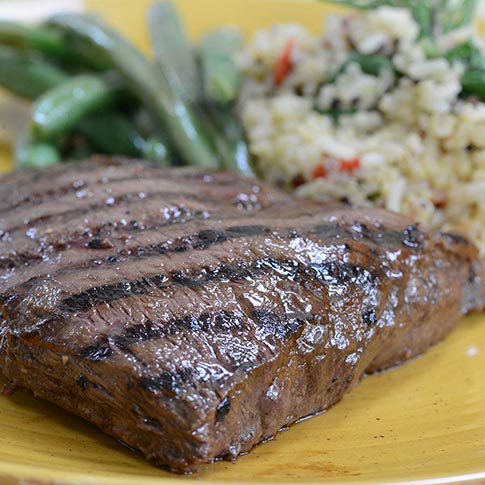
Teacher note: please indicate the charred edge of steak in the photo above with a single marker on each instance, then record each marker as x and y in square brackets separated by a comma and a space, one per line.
[223, 409]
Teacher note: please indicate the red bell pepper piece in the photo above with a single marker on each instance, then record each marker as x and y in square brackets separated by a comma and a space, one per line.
[283, 64]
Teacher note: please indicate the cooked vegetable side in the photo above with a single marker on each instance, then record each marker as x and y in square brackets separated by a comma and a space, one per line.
[76, 67]
[385, 108]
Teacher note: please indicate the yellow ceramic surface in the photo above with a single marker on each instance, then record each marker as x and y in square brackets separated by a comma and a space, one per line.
[423, 421]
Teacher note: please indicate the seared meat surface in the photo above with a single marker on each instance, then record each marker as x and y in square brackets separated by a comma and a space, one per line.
[192, 315]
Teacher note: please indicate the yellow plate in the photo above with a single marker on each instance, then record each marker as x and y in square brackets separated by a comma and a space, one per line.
[424, 421]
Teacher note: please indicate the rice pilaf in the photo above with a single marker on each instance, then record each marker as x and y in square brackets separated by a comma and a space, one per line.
[397, 133]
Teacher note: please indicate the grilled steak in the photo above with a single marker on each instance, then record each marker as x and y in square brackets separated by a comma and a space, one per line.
[192, 315]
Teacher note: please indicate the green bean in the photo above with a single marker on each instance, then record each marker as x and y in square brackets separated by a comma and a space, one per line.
[30, 76]
[463, 51]
[155, 146]
[60, 109]
[173, 51]
[84, 55]
[29, 152]
[219, 71]
[27, 74]
[145, 81]
[111, 133]
[36, 38]
[48, 41]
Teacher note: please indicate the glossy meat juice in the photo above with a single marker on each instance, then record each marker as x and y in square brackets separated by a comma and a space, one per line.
[192, 315]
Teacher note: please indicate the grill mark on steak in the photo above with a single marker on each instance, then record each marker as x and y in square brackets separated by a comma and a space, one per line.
[101, 350]
[32, 181]
[122, 187]
[167, 381]
[30, 260]
[332, 272]
[222, 321]
[74, 172]
[272, 323]
[201, 240]
[194, 241]
[127, 199]
[55, 193]
[55, 238]
[411, 237]
[77, 176]
[51, 231]
[46, 246]
[236, 193]
[269, 321]
[54, 247]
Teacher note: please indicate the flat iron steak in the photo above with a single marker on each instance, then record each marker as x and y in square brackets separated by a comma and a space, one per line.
[192, 315]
